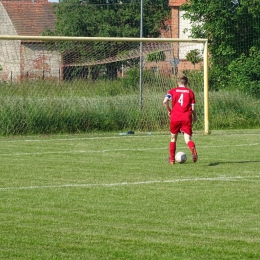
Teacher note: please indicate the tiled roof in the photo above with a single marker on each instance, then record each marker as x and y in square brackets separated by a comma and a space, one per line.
[30, 18]
[24, 1]
[176, 2]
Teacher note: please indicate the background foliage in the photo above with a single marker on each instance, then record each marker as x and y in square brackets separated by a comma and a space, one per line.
[84, 106]
[106, 18]
[117, 18]
[233, 29]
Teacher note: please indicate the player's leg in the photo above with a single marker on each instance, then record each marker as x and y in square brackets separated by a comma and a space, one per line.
[174, 129]
[192, 147]
[187, 129]
[172, 148]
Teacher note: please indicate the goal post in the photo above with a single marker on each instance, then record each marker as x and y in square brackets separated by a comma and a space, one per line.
[75, 76]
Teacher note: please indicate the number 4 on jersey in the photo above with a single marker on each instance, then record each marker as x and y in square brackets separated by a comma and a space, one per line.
[181, 99]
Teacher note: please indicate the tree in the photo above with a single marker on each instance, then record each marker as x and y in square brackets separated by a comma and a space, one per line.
[244, 73]
[231, 26]
[156, 56]
[109, 18]
[194, 56]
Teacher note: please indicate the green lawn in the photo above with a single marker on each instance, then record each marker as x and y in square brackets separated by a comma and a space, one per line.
[116, 197]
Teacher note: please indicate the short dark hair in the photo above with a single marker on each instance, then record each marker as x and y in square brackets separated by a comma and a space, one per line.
[184, 80]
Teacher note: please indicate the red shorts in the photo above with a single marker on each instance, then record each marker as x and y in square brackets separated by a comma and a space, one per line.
[181, 126]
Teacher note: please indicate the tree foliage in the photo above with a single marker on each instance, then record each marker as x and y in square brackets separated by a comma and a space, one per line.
[110, 18]
[194, 56]
[156, 56]
[231, 26]
[107, 18]
[245, 73]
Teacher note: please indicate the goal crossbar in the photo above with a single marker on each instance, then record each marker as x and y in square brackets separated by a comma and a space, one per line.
[104, 39]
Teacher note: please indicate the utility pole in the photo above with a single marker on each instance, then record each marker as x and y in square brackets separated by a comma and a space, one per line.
[141, 58]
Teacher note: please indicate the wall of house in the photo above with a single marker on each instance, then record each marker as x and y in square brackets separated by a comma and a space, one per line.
[9, 50]
[38, 62]
[18, 59]
[181, 29]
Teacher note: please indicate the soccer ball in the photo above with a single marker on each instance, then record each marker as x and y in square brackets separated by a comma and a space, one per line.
[180, 157]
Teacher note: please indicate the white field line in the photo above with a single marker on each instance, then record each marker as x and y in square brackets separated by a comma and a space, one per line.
[106, 137]
[89, 185]
[77, 138]
[116, 150]
[82, 151]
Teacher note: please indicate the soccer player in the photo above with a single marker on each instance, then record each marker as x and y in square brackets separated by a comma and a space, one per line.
[182, 114]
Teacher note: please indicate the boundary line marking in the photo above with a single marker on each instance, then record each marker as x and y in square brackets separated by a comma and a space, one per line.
[116, 150]
[107, 137]
[89, 185]
[76, 138]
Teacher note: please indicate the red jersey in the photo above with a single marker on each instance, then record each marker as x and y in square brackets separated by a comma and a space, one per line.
[182, 98]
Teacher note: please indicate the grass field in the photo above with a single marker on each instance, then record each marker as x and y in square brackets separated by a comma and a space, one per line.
[116, 197]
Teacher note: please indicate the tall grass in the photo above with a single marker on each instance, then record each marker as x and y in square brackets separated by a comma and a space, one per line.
[70, 107]
[234, 109]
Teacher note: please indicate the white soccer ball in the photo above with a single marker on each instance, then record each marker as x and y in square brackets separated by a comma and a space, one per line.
[180, 157]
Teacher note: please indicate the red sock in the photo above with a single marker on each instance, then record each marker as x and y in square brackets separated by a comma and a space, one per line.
[172, 149]
[191, 144]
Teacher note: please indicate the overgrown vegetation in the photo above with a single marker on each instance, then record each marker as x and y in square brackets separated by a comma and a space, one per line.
[232, 28]
[194, 56]
[42, 108]
[245, 73]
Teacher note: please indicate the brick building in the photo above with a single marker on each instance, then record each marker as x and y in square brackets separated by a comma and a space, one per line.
[177, 27]
[181, 29]
[26, 18]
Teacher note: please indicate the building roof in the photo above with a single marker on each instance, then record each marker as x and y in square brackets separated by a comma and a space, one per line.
[30, 17]
[176, 3]
[24, 1]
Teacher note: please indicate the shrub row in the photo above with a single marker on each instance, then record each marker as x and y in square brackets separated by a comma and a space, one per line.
[71, 107]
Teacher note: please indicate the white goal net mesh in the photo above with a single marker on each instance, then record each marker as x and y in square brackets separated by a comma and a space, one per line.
[77, 85]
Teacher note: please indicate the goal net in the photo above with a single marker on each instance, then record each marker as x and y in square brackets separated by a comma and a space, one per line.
[79, 84]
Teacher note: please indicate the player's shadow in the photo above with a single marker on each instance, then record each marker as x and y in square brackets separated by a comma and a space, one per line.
[218, 163]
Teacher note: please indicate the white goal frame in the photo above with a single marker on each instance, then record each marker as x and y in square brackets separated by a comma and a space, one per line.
[141, 40]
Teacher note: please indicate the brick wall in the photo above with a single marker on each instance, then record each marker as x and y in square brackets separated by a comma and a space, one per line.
[175, 27]
[176, 2]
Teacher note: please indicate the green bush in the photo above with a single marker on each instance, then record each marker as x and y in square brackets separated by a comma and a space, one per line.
[233, 109]
[196, 81]
[245, 73]
[217, 78]
[44, 108]
[131, 79]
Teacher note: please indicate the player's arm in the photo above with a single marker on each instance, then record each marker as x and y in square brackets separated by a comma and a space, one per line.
[194, 113]
[166, 104]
